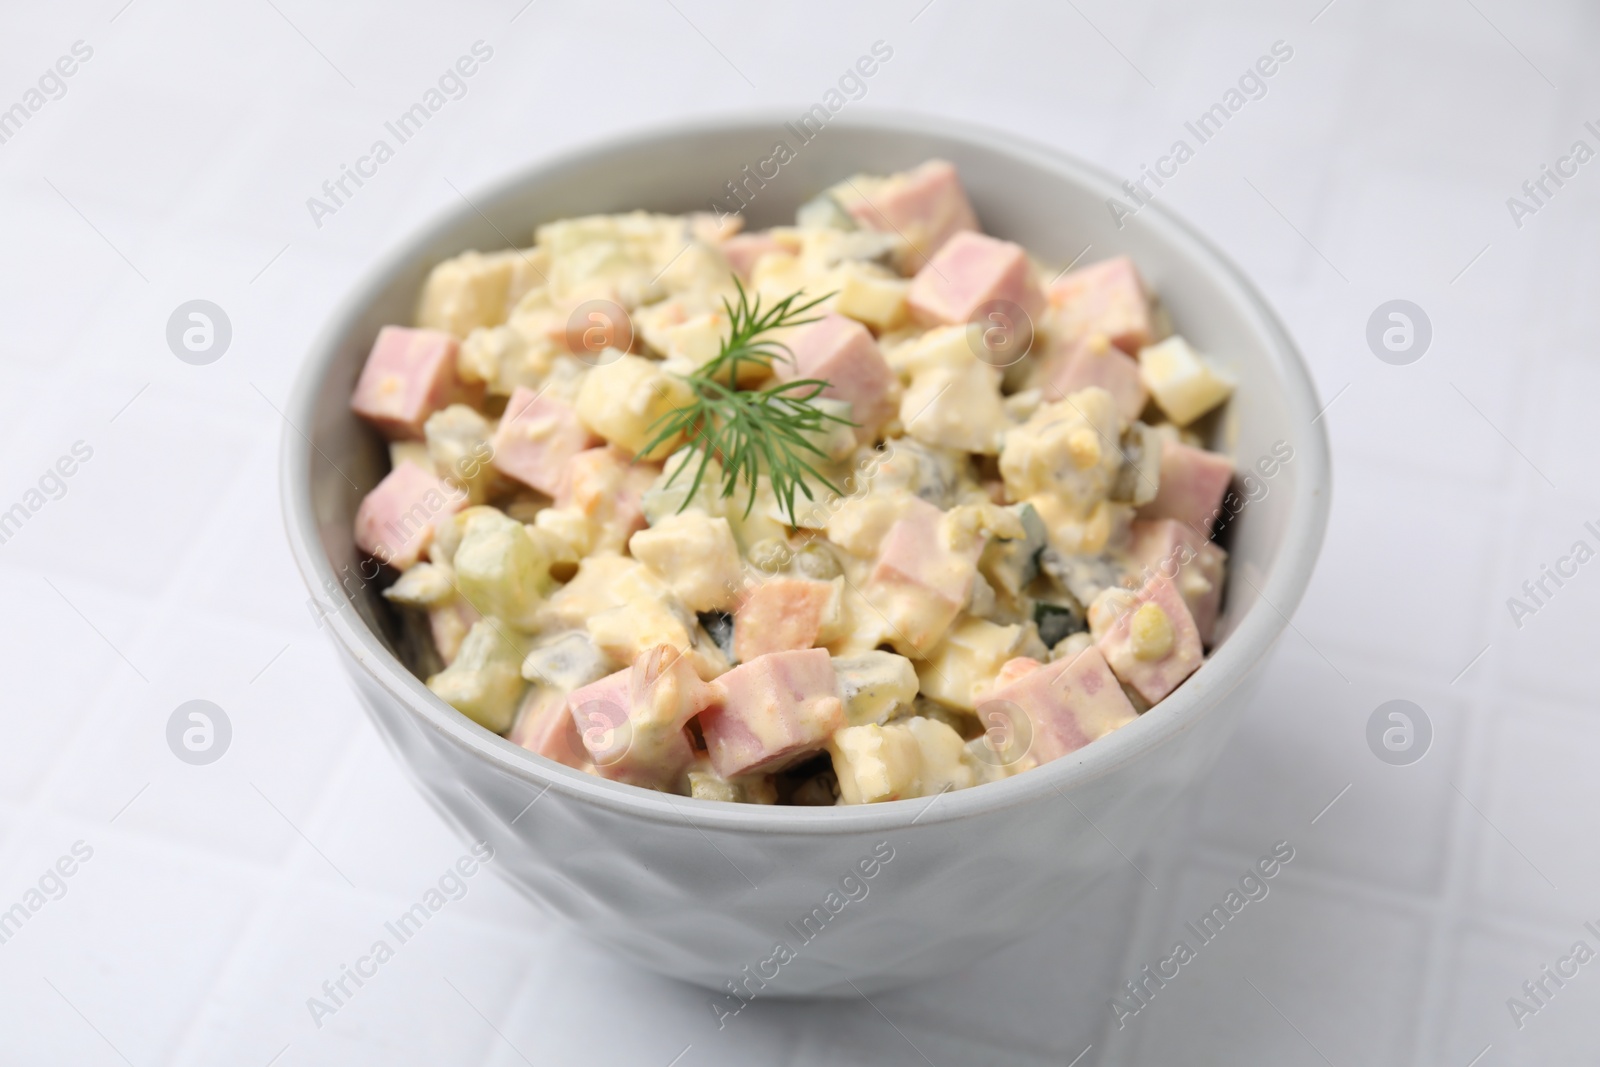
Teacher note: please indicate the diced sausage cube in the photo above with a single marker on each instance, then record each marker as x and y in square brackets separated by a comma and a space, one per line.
[537, 438]
[1045, 712]
[1153, 644]
[545, 726]
[1094, 361]
[968, 272]
[745, 251]
[395, 522]
[631, 723]
[782, 614]
[1191, 486]
[1107, 298]
[773, 710]
[926, 206]
[919, 583]
[1172, 550]
[408, 376]
[842, 352]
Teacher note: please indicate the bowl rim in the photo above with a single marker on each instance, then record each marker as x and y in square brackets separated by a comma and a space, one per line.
[1225, 669]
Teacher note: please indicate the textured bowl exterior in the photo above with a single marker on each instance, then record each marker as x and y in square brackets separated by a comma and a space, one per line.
[708, 892]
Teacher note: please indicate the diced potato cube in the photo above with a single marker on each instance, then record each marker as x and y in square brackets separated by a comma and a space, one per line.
[940, 766]
[663, 499]
[423, 586]
[696, 555]
[915, 757]
[967, 660]
[696, 341]
[837, 437]
[874, 762]
[570, 525]
[860, 524]
[623, 399]
[608, 486]
[956, 407]
[504, 357]
[476, 289]
[823, 210]
[1183, 382]
[413, 452]
[873, 296]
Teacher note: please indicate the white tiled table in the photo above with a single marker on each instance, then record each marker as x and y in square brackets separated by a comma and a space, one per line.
[218, 899]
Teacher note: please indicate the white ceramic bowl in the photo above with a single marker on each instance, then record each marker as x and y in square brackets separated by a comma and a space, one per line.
[707, 891]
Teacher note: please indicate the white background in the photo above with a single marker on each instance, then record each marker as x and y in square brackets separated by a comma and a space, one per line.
[219, 898]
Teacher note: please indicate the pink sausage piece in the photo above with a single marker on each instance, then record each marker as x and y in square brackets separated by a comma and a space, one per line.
[843, 353]
[395, 522]
[968, 272]
[774, 710]
[1079, 365]
[1191, 487]
[1107, 298]
[1040, 713]
[1168, 548]
[408, 376]
[927, 205]
[631, 723]
[1154, 678]
[537, 438]
[780, 615]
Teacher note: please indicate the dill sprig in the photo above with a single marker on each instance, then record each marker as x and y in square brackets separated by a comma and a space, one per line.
[753, 431]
